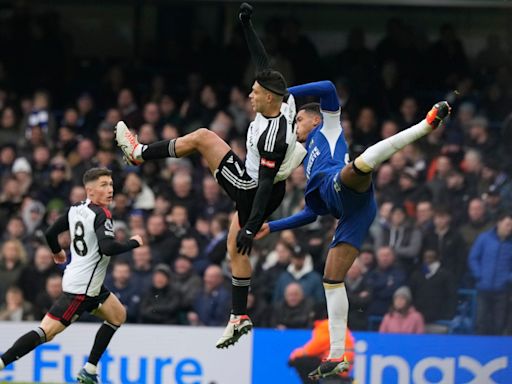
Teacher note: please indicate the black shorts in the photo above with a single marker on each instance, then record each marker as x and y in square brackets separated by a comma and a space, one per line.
[241, 188]
[70, 306]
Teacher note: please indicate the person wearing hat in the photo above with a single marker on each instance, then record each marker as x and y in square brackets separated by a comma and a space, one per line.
[161, 304]
[402, 316]
[22, 170]
[257, 186]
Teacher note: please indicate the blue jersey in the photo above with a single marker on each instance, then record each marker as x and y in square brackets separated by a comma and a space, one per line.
[325, 192]
[326, 153]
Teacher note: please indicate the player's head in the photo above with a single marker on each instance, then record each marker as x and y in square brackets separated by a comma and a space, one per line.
[268, 91]
[308, 117]
[99, 185]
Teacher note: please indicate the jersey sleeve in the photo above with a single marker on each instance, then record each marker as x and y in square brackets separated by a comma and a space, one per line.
[272, 148]
[104, 229]
[258, 54]
[306, 216]
[326, 90]
[52, 233]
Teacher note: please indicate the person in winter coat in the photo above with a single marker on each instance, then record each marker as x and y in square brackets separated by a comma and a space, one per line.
[162, 303]
[434, 289]
[402, 317]
[301, 271]
[384, 281]
[490, 262]
[295, 311]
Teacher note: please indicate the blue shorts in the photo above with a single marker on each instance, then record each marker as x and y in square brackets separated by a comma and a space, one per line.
[355, 211]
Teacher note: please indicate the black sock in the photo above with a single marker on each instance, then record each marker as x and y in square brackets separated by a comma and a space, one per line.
[26, 343]
[240, 292]
[101, 341]
[159, 150]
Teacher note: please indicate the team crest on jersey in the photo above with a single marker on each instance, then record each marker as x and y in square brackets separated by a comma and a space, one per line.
[109, 227]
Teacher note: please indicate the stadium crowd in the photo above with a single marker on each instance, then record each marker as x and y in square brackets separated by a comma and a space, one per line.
[442, 224]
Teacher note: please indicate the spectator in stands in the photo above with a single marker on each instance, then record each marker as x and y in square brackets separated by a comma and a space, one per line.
[142, 266]
[481, 139]
[161, 304]
[141, 196]
[295, 311]
[300, 271]
[455, 194]
[216, 248]
[15, 307]
[22, 171]
[402, 237]
[163, 244]
[476, 223]
[448, 243]
[58, 186]
[410, 190]
[77, 194]
[12, 260]
[10, 200]
[187, 282]
[214, 201]
[40, 164]
[85, 151]
[183, 194]
[9, 126]
[490, 262]
[45, 299]
[424, 217]
[130, 113]
[258, 310]
[121, 284]
[367, 258]
[384, 280]
[211, 307]
[359, 296]
[32, 279]
[189, 248]
[402, 316]
[434, 290]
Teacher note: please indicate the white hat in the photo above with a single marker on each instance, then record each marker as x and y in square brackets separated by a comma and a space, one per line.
[21, 165]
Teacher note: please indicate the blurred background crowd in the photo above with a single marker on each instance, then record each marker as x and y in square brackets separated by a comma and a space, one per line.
[438, 257]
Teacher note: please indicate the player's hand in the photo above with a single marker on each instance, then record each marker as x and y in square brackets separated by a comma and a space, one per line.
[263, 232]
[245, 12]
[60, 258]
[138, 239]
[244, 241]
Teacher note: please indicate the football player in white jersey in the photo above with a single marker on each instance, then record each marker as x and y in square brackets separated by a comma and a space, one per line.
[256, 186]
[92, 243]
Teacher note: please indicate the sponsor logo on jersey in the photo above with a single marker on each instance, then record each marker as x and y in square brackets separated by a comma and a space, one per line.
[268, 163]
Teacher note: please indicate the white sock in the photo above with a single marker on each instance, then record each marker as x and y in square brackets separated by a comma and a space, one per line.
[2, 365]
[337, 309]
[90, 369]
[384, 149]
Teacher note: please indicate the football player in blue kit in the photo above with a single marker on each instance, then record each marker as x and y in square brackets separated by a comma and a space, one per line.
[335, 186]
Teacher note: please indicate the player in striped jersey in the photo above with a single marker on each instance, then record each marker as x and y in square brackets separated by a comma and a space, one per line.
[256, 186]
[92, 243]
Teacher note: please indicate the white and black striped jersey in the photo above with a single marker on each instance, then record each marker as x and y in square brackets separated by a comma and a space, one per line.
[92, 243]
[271, 143]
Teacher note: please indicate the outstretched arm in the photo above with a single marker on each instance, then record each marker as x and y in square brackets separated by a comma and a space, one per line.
[324, 89]
[258, 54]
[306, 216]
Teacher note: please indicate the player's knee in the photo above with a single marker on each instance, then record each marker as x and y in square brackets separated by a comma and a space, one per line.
[203, 134]
[120, 317]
